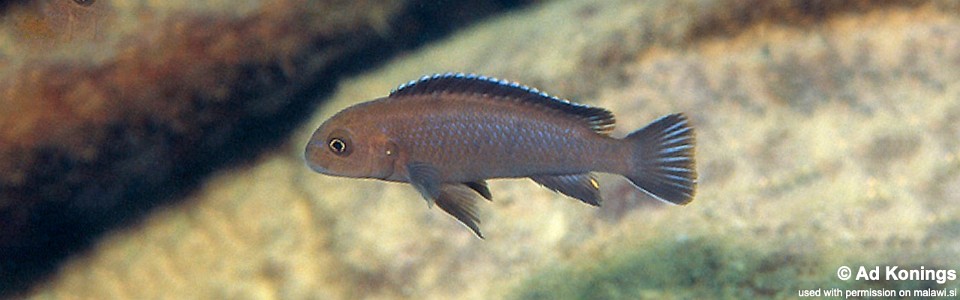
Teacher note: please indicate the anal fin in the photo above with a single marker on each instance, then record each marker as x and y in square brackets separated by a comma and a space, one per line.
[580, 186]
[481, 187]
[460, 201]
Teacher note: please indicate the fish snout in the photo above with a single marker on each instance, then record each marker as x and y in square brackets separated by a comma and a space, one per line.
[312, 157]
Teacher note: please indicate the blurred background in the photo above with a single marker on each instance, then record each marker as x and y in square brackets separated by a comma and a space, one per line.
[154, 149]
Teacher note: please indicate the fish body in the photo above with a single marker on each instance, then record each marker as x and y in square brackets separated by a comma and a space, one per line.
[448, 133]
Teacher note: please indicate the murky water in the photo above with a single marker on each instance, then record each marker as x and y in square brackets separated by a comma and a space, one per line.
[161, 146]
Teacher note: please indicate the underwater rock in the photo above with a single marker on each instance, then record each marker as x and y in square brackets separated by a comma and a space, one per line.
[790, 101]
[112, 108]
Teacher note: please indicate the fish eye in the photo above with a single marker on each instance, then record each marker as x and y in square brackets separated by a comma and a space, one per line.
[339, 146]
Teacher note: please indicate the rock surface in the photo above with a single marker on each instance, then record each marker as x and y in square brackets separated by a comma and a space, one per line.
[827, 132]
[111, 108]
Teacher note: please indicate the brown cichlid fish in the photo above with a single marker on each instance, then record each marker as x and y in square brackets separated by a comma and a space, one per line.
[446, 134]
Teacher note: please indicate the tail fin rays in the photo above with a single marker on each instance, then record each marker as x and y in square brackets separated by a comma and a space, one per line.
[662, 163]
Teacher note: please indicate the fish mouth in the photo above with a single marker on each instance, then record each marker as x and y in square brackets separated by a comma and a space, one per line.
[314, 166]
[317, 168]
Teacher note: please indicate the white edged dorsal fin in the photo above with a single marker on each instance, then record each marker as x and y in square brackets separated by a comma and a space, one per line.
[598, 119]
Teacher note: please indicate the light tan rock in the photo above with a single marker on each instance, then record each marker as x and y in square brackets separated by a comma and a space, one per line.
[831, 135]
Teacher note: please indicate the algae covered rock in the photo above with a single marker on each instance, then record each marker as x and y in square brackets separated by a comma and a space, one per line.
[109, 109]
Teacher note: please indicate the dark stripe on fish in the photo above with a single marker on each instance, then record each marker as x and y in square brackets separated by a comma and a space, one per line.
[599, 119]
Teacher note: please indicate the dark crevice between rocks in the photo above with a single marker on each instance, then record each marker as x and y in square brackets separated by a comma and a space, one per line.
[6, 4]
[740, 16]
[65, 205]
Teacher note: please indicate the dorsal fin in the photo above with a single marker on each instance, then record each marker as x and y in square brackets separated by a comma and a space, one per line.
[598, 119]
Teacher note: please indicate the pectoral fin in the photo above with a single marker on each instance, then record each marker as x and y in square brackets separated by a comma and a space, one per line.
[481, 187]
[426, 179]
[581, 186]
[460, 201]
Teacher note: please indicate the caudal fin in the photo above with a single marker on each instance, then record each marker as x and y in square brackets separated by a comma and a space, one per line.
[662, 164]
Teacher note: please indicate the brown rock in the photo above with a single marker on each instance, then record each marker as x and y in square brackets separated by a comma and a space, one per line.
[789, 104]
[111, 108]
